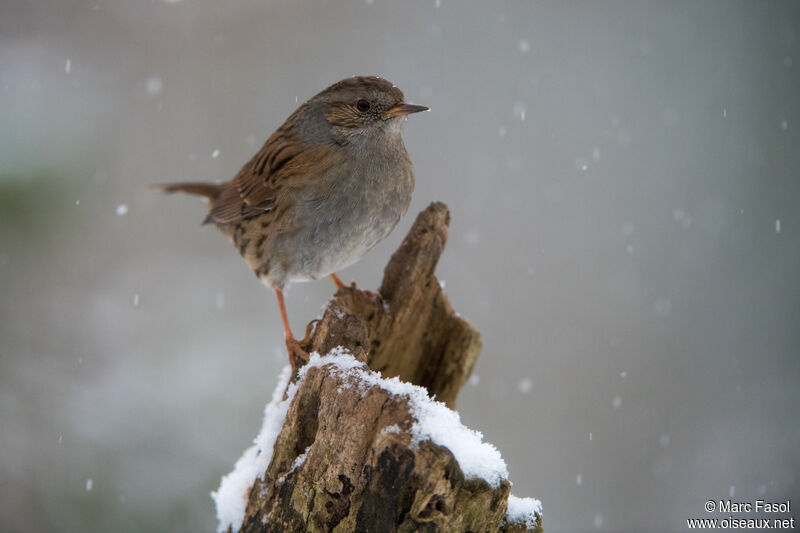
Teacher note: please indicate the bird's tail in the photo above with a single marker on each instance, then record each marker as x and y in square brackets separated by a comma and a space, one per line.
[204, 189]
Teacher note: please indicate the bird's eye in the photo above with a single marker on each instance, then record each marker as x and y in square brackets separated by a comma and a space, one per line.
[363, 105]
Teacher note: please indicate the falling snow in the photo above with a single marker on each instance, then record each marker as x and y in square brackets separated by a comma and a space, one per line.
[68, 66]
[122, 210]
[520, 110]
[89, 485]
[662, 306]
[524, 46]
[777, 225]
[215, 154]
[616, 403]
[154, 86]
[682, 217]
[525, 385]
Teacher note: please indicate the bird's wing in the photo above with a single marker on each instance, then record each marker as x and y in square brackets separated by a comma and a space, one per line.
[283, 163]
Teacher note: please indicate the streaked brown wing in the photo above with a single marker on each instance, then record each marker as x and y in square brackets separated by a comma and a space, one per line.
[283, 163]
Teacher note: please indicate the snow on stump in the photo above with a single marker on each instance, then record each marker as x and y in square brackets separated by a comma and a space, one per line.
[355, 442]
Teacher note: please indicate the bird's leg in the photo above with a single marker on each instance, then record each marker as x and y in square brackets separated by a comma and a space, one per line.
[292, 346]
[337, 281]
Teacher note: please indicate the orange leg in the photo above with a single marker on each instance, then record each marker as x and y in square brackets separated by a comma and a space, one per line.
[292, 345]
[337, 281]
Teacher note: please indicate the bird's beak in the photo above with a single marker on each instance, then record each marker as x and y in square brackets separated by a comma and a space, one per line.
[401, 110]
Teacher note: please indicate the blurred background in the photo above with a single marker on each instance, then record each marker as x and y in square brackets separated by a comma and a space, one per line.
[623, 177]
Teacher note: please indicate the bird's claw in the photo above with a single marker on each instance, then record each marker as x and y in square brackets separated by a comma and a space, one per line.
[295, 350]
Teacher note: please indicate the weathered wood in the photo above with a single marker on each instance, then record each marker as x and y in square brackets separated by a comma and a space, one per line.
[409, 329]
[345, 459]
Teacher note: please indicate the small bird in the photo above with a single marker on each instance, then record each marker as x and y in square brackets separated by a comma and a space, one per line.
[326, 187]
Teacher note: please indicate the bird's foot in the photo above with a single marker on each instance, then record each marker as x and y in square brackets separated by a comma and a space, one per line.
[295, 350]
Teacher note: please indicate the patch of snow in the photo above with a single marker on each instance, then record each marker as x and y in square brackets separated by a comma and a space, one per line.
[391, 430]
[433, 421]
[231, 496]
[522, 511]
[297, 463]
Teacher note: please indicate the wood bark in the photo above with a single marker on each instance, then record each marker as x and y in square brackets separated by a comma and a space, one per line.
[361, 472]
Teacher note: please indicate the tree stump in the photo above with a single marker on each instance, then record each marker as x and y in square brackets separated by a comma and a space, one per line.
[344, 448]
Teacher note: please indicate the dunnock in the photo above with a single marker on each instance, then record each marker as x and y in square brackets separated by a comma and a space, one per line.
[325, 188]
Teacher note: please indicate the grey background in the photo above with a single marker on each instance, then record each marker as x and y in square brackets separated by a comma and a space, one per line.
[615, 172]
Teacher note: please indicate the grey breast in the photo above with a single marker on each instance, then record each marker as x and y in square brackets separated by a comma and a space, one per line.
[354, 207]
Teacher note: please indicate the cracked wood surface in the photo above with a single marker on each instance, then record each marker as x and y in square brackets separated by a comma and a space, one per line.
[344, 460]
